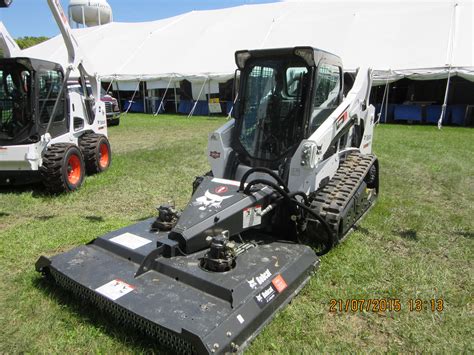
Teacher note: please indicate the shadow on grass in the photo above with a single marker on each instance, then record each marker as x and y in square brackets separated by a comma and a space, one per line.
[86, 312]
[45, 218]
[36, 189]
[4, 214]
[468, 235]
[141, 219]
[362, 230]
[95, 219]
[409, 234]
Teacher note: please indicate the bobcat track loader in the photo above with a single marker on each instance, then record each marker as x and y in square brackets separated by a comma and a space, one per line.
[291, 174]
[53, 125]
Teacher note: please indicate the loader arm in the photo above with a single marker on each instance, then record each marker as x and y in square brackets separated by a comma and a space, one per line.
[76, 58]
[317, 158]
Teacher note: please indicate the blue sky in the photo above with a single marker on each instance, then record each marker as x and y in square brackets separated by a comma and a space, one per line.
[33, 18]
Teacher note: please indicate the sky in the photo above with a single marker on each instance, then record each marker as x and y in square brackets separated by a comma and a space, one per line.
[33, 17]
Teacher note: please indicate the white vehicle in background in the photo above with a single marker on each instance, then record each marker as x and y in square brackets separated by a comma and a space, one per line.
[49, 130]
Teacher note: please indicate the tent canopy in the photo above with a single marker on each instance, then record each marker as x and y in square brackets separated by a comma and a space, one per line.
[415, 39]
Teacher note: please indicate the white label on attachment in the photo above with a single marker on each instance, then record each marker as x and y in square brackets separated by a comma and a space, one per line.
[130, 241]
[240, 319]
[251, 216]
[115, 289]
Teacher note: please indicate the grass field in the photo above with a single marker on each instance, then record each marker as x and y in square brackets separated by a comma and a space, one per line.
[416, 243]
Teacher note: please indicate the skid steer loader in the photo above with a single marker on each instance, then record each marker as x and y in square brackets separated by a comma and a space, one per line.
[291, 174]
[53, 124]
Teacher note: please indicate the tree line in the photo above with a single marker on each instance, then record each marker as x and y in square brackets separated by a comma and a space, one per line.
[26, 42]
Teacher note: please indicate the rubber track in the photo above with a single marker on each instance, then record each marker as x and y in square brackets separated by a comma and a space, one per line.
[330, 201]
[51, 169]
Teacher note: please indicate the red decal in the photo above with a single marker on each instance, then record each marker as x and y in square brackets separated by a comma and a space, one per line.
[365, 145]
[215, 155]
[279, 283]
[124, 283]
[221, 189]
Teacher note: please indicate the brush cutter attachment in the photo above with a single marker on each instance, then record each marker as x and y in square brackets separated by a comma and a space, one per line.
[207, 286]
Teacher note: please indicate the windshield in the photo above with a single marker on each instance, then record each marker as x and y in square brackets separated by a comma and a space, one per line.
[273, 102]
[15, 94]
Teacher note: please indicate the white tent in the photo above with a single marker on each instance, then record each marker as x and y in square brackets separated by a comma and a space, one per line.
[415, 39]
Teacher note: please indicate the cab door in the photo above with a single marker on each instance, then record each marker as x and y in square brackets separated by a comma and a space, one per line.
[49, 87]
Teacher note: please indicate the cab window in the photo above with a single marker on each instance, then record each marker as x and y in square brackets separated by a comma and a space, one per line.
[50, 82]
[326, 94]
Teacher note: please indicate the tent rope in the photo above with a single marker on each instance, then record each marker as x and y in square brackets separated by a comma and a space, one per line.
[163, 98]
[449, 57]
[384, 105]
[232, 108]
[108, 87]
[133, 96]
[199, 96]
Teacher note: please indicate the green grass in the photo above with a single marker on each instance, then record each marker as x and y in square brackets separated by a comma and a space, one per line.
[417, 242]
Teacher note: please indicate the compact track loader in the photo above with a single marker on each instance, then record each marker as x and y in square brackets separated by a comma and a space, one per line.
[291, 174]
[53, 124]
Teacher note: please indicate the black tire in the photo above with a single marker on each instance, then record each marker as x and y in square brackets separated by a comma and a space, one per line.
[113, 122]
[92, 146]
[63, 168]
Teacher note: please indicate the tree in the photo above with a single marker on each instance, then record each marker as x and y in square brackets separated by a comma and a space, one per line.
[28, 41]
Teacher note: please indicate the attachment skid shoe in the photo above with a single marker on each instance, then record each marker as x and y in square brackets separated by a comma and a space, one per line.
[63, 168]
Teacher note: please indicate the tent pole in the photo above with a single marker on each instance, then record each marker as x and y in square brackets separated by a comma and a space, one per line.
[144, 97]
[208, 97]
[199, 96]
[163, 98]
[133, 96]
[449, 59]
[445, 101]
[118, 94]
[175, 98]
[83, 17]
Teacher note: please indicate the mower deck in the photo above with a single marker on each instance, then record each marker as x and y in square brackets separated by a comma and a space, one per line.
[186, 307]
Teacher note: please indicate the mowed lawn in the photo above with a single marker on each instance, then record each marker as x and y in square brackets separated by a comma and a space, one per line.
[416, 243]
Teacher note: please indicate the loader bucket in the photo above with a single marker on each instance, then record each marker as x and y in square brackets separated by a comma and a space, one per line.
[187, 308]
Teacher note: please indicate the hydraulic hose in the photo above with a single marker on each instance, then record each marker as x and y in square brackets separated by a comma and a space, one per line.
[290, 198]
[262, 170]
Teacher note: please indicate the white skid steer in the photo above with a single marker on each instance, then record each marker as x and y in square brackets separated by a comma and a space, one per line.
[50, 130]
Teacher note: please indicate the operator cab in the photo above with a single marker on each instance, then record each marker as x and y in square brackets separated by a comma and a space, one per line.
[28, 91]
[284, 96]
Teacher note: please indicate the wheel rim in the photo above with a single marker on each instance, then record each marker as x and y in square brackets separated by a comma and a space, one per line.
[74, 169]
[103, 155]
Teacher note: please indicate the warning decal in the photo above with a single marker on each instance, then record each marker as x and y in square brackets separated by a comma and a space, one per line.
[251, 216]
[130, 241]
[115, 289]
[279, 283]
